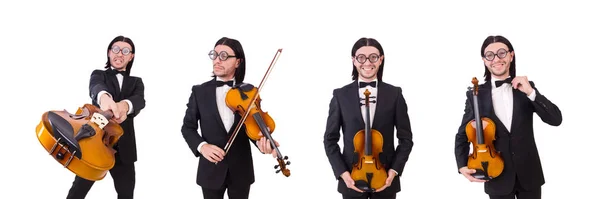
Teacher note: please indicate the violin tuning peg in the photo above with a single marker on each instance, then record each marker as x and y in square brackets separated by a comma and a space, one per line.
[285, 158]
[276, 166]
[288, 163]
[277, 171]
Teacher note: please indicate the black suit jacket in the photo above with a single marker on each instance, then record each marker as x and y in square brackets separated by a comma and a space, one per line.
[202, 108]
[517, 147]
[133, 90]
[390, 112]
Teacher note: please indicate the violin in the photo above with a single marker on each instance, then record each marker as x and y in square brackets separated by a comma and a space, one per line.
[486, 161]
[368, 172]
[81, 142]
[244, 99]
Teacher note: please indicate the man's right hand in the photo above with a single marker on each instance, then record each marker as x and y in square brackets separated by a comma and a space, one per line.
[107, 103]
[467, 173]
[212, 153]
[349, 181]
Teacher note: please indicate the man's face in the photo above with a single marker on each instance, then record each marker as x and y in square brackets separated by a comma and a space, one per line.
[367, 61]
[223, 64]
[497, 59]
[120, 55]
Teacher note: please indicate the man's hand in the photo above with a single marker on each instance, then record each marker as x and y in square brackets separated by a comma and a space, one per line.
[107, 103]
[123, 109]
[350, 182]
[212, 153]
[264, 146]
[522, 83]
[388, 181]
[467, 173]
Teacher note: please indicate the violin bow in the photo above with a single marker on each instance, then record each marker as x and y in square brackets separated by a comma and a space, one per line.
[259, 88]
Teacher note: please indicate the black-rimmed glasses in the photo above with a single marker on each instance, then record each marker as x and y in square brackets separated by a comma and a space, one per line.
[490, 56]
[223, 56]
[117, 49]
[361, 58]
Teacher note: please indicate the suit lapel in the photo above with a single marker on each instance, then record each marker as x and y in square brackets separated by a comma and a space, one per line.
[355, 102]
[380, 101]
[115, 85]
[127, 87]
[212, 98]
[516, 106]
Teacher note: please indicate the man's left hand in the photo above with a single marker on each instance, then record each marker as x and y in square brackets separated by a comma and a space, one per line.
[522, 83]
[264, 146]
[388, 181]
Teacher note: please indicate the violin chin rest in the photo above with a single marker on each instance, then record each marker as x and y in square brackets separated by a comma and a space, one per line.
[364, 186]
[63, 130]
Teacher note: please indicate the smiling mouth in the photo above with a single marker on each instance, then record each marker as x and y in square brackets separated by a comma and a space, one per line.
[367, 68]
[118, 61]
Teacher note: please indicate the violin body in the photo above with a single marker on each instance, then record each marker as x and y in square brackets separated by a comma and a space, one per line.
[368, 172]
[486, 161]
[81, 142]
[237, 102]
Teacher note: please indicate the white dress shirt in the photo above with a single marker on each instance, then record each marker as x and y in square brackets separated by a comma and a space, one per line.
[227, 116]
[502, 99]
[120, 79]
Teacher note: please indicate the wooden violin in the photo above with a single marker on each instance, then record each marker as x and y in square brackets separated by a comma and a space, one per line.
[486, 161]
[368, 172]
[81, 142]
[245, 100]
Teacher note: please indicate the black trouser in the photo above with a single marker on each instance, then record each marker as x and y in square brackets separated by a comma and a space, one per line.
[123, 178]
[234, 192]
[371, 196]
[520, 193]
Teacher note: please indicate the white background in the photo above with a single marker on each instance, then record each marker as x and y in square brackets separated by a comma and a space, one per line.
[49, 49]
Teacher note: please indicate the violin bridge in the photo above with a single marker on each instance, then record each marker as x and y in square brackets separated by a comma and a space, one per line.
[369, 161]
[99, 120]
[482, 151]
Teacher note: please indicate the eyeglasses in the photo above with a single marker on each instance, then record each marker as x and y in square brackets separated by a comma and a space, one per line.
[361, 58]
[501, 53]
[117, 49]
[223, 56]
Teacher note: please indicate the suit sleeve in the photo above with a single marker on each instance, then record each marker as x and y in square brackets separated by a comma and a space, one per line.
[546, 110]
[461, 143]
[137, 99]
[332, 136]
[404, 134]
[97, 84]
[189, 129]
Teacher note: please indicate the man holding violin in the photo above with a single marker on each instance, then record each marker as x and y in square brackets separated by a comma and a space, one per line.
[218, 172]
[347, 110]
[114, 89]
[509, 101]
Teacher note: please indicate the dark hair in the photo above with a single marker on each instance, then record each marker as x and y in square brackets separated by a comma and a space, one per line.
[493, 39]
[115, 40]
[367, 42]
[236, 46]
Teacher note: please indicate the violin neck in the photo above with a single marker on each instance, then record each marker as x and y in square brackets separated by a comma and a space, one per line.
[368, 140]
[478, 123]
[265, 131]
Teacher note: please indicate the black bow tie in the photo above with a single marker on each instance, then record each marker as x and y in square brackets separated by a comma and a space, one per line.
[505, 81]
[115, 72]
[222, 83]
[364, 84]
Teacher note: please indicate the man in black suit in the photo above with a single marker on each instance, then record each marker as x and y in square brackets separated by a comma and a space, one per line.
[114, 89]
[510, 102]
[217, 172]
[388, 111]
